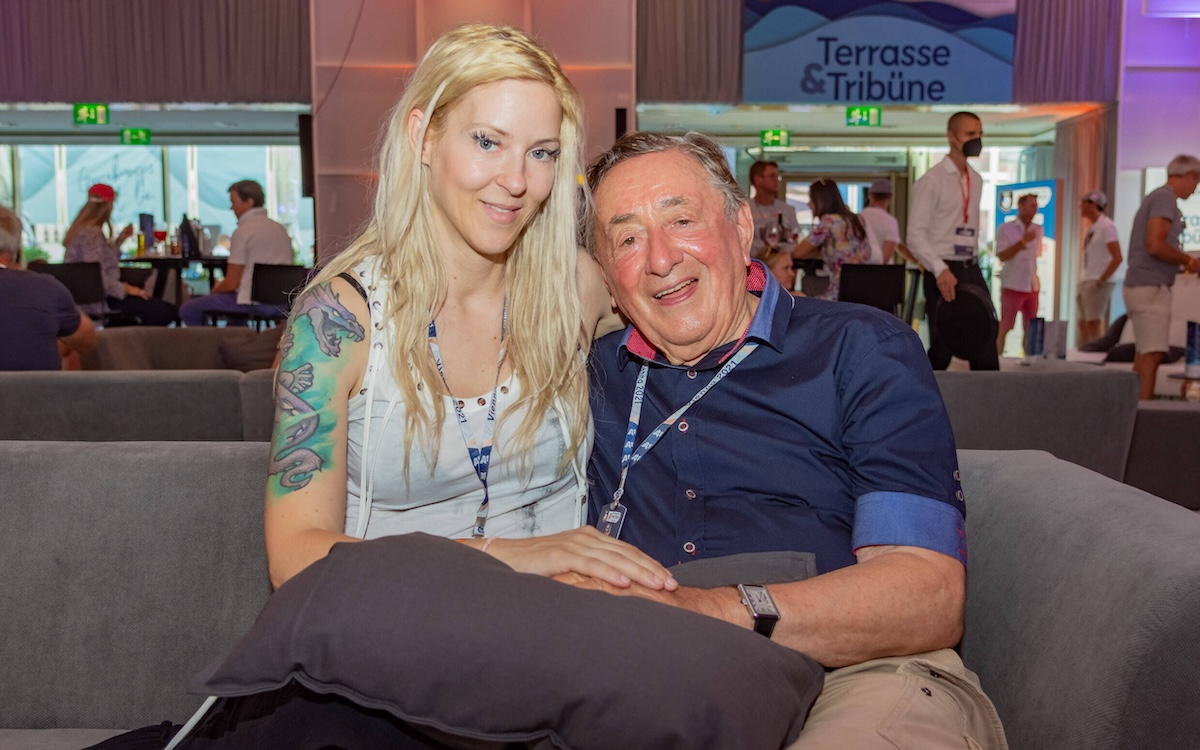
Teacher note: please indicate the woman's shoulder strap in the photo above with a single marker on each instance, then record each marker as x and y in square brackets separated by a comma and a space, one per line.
[354, 283]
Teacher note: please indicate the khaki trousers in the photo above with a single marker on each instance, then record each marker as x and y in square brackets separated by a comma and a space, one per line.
[925, 701]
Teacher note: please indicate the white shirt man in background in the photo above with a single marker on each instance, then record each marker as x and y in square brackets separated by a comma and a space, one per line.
[257, 239]
[943, 234]
[1018, 246]
[767, 210]
[1101, 259]
[882, 227]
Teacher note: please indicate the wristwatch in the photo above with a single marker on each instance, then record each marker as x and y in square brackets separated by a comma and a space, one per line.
[762, 607]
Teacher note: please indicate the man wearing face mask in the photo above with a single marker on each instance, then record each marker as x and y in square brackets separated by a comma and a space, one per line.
[943, 233]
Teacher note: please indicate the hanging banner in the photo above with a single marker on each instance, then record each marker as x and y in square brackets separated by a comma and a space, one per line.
[878, 51]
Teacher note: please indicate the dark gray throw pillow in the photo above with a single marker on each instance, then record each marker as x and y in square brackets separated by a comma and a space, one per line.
[248, 353]
[453, 640]
[763, 568]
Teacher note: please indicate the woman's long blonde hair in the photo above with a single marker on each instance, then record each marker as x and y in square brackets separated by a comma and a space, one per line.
[544, 335]
[95, 213]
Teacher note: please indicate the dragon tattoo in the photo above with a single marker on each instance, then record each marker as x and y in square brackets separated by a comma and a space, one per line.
[294, 462]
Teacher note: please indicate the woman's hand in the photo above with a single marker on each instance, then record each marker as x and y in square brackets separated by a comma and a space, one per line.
[125, 234]
[584, 551]
[135, 291]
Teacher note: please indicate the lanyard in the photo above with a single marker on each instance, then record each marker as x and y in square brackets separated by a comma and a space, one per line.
[629, 456]
[480, 453]
[966, 198]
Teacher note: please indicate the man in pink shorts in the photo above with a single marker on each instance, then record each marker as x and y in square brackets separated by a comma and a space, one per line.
[1018, 245]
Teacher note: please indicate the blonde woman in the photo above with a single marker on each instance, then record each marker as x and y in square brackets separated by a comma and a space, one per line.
[90, 239]
[432, 375]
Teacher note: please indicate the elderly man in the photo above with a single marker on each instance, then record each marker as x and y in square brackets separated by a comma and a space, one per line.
[731, 417]
[37, 313]
[1155, 257]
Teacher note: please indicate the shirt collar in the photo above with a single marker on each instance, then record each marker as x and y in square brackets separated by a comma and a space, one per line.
[253, 213]
[768, 326]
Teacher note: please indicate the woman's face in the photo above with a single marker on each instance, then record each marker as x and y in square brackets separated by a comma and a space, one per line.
[492, 165]
[781, 269]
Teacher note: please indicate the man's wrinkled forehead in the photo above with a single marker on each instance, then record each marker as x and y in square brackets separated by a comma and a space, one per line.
[663, 203]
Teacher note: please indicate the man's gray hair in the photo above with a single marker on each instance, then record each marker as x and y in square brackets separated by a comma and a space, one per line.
[1183, 164]
[704, 150]
[10, 233]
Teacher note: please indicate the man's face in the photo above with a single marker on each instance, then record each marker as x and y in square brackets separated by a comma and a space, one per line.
[1189, 182]
[674, 263]
[1027, 209]
[966, 129]
[238, 204]
[767, 182]
[1088, 210]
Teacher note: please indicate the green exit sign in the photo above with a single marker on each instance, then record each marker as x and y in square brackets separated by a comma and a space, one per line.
[91, 114]
[871, 117]
[775, 138]
[135, 136]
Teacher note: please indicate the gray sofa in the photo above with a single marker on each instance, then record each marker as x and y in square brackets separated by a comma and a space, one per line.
[1079, 413]
[199, 348]
[129, 566]
[137, 405]
[1164, 458]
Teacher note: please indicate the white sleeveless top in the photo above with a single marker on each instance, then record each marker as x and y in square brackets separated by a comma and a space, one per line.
[443, 498]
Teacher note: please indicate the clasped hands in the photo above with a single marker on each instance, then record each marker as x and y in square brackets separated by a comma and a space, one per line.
[587, 559]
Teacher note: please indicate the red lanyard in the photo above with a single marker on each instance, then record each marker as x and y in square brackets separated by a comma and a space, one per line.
[966, 198]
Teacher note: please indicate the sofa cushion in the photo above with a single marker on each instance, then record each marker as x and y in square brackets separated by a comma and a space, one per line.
[1125, 353]
[248, 353]
[127, 568]
[258, 404]
[155, 348]
[463, 644]
[1080, 413]
[1164, 458]
[1083, 596]
[148, 405]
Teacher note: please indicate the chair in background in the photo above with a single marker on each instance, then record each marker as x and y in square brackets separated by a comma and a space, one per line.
[86, 285]
[273, 285]
[889, 287]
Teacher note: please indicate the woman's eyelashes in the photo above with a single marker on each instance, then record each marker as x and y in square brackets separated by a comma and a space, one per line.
[490, 143]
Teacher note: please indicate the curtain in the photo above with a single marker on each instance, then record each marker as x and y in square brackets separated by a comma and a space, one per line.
[1085, 159]
[154, 51]
[1067, 51]
[689, 51]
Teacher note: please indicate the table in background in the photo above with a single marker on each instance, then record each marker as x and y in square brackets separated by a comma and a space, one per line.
[176, 263]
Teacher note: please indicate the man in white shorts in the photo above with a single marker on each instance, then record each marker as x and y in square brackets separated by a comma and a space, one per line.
[1101, 259]
[1155, 257]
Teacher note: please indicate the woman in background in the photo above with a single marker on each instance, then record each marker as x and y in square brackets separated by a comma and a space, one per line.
[839, 237]
[89, 240]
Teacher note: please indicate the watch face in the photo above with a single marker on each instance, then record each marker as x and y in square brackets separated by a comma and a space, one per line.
[760, 601]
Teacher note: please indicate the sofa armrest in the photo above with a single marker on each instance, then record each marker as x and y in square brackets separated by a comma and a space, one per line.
[1083, 598]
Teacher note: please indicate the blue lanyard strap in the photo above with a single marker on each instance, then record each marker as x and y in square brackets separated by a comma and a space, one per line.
[629, 456]
[480, 452]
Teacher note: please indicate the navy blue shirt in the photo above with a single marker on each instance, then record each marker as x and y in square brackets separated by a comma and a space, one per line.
[35, 310]
[829, 437]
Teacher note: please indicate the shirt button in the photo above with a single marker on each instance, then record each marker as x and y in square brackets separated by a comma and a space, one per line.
[689, 548]
[683, 425]
[691, 374]
[959, 495]
[957, 476]
[691, 494]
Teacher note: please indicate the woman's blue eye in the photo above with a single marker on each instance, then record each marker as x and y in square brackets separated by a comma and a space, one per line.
[485, 143]
[542, 154]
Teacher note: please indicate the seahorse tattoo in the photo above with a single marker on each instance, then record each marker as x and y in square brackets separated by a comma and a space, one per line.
[296, 462]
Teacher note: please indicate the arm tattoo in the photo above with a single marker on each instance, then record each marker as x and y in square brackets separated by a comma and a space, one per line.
[298, 447]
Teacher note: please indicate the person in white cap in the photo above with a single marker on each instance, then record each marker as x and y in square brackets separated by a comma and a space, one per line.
[882, 227]
[1101, 259]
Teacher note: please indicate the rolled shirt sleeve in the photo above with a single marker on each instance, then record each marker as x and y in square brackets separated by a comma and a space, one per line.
[901, 451]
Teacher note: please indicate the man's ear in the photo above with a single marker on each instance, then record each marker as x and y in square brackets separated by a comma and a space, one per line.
[416, 121]
[744, 220]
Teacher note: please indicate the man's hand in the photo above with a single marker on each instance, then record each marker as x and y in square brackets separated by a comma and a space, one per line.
[135, 291]
[946, 282]
[1029, 236]
[586, 552]
[721, 603]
